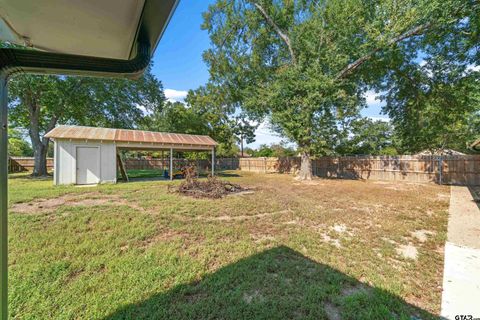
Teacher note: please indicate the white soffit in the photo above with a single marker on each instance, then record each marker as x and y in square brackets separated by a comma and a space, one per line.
[99, 28]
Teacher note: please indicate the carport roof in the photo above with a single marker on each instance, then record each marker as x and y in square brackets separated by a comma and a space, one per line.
[133, 136]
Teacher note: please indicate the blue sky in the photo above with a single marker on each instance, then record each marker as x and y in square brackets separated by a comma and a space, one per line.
[178, 61]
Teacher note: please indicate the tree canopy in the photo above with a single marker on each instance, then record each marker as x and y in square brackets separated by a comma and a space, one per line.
[204, 113]
[17, 146]
[369, 137]
[39, 103]
[306, 64]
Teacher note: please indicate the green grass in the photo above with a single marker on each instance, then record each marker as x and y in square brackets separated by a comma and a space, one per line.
[144, 173]
[136, 251]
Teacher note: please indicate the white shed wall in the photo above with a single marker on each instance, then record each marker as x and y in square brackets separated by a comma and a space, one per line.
[65, 160]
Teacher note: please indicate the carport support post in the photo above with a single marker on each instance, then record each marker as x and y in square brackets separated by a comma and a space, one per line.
[3, 198]
[213, 162]
[171, 163]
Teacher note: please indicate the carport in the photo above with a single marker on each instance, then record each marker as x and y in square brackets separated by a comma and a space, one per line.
[88, 155]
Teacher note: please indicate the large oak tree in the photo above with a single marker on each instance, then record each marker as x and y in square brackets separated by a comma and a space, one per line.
[305, 64]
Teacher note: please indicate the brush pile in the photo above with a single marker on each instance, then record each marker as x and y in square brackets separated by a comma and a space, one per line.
[212, 188]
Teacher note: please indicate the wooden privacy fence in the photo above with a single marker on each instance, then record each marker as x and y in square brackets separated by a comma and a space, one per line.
[20, 164]
[460, 170]
[201, 165]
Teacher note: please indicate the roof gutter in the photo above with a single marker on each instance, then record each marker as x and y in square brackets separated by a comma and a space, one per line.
[13, 60]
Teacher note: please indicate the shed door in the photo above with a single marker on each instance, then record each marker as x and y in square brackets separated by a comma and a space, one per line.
[88, 170]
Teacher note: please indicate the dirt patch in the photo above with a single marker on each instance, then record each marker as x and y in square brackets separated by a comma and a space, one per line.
[73, 275]
[422, 235]
[73, 200]
[341, 229]
[164, 236]
[332, 311]
[242, 193]
[254, 296]
[243, 217]
[330, 240]
[263, 238]
[408, 251]
[388, 240]
[195, 297]
[308, 183]
[399, 185]
[352, 290]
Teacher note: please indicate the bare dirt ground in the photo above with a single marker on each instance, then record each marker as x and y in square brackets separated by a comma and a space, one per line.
[90, 199]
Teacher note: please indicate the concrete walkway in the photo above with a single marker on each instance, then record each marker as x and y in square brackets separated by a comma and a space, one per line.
[461, 276]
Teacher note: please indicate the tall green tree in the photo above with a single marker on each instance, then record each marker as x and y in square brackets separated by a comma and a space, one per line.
[204, 113]
[175, 117]
[39, 103]
[273, 150]
[435, 104]
[306, 64]
[216, 110]
[17, 146]
[244, 130]
[369, 137]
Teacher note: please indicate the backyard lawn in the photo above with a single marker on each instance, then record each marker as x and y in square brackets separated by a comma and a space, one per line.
[329, 249]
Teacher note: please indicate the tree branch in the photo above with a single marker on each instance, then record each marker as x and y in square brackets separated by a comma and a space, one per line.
[418, 30]
[277, 29]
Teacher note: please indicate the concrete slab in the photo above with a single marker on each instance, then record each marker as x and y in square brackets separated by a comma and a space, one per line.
[464, 218]
[461, 282]
[461, 277]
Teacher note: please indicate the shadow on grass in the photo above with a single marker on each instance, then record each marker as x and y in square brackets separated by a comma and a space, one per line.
[157, 175]
[28, 176]
[279, 283]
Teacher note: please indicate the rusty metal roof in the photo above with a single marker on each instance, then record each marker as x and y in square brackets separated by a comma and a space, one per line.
[124, 135]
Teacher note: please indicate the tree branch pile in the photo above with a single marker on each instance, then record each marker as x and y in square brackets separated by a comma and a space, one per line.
[213, 188]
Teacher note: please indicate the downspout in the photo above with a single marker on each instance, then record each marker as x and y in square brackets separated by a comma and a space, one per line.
[31, 61]
[3, 197]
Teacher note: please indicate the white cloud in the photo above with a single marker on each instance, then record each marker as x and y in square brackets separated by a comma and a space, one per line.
[264, 135]
[143, 109]
[173, 95]
[381, 118]
[473, 68]
[423, 63]
[372, 98]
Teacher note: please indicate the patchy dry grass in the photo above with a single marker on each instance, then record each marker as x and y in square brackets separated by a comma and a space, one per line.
[331, 249]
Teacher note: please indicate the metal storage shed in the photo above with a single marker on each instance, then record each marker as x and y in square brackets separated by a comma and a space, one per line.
[88, 155]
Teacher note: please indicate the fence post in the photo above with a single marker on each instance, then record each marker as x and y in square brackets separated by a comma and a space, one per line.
[338, 167]
[264, 165]
[440, 170]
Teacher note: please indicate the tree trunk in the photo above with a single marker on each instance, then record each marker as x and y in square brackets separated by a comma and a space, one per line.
[305, 172]
[40, 160]
[241, 146]
[39, 144]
